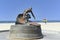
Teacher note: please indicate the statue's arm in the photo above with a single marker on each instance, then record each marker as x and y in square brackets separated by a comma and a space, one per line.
[27, 11]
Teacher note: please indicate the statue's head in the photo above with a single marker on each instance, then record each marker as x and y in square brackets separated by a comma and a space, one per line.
[20, 16]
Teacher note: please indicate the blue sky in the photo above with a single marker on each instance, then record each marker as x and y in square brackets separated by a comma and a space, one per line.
[49, 9]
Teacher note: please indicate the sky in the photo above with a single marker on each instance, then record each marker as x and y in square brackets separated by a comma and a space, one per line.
[49, 9]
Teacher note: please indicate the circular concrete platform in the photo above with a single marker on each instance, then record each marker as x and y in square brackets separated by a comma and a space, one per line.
[48, 35]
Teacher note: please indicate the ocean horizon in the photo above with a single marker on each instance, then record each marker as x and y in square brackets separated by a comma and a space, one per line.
[32, 21]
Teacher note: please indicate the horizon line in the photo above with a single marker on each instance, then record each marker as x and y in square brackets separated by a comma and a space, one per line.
[32, 21]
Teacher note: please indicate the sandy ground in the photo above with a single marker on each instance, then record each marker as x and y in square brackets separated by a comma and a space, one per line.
[51, 31]
[5, 26]
[54, 26]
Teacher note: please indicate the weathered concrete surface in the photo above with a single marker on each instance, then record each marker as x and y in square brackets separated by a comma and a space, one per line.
[25, 32]
[48, 35]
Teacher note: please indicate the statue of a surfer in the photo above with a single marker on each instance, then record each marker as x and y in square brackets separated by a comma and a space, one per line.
[25, 16]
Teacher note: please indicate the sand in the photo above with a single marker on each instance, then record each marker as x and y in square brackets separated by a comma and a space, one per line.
[52, 26]
[5, 26]
[51, 31]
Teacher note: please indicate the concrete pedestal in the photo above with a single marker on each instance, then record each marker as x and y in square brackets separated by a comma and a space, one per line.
[25, 32]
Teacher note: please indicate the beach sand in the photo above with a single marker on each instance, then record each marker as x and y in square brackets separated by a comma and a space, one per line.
[5, 26]
[52, 26]
[51, 31]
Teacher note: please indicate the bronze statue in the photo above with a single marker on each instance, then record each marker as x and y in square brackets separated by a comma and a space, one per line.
[25, 16]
